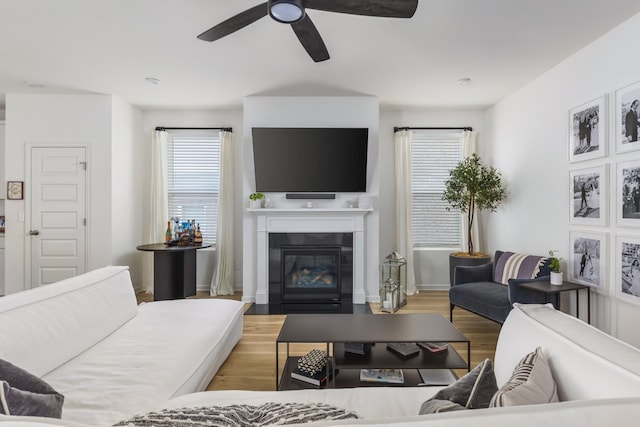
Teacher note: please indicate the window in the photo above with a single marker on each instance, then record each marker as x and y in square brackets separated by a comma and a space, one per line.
[433, 155]
[194, 178]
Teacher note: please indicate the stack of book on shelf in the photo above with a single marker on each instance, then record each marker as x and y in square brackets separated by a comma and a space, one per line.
[361, 348]
[314, 368]
[433, 347]
[390, 376]
[405, 350]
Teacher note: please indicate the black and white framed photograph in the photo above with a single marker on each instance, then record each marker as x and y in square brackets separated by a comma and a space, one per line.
[627, 126]
[587, 133]
[628, 266]
[588, 193]
[588, 259]
[628, 193]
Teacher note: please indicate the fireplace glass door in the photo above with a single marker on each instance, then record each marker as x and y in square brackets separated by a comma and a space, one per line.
[310, 273]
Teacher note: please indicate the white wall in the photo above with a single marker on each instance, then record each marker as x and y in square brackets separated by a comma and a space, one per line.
[59, 119]
[127, 188]
[431, 266]
[198, 118]
[529, 134]
[330, 111]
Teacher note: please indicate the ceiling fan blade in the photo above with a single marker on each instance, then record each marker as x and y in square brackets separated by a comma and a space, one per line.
[384, 8]
[235, 23]
[310, 39]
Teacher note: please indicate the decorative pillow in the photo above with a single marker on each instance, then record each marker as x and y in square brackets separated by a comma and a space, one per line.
[531, 383]
[241, 415]
[22, 393]
[435, 406]
[472, 391]
[519, 266]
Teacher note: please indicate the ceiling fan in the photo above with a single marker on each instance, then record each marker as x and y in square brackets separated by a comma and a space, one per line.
[294, 12]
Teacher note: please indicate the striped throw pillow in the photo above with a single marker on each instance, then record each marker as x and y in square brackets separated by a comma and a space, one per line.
[531, 383]
[517, 266]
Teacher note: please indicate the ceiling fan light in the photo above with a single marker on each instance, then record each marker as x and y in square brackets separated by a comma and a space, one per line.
[286, 11]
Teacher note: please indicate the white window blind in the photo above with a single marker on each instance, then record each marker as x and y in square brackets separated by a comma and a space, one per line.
[194, 178]
[433, 155]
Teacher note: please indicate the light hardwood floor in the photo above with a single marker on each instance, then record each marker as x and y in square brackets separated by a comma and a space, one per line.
[251, 365]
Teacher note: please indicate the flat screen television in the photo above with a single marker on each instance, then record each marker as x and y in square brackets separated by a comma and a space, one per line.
[310, 159]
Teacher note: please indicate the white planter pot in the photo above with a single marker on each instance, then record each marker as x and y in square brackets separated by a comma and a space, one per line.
[556, 278]
[255, 204]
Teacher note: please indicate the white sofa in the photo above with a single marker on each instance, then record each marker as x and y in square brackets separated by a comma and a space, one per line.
[598, 380]
[87, 337]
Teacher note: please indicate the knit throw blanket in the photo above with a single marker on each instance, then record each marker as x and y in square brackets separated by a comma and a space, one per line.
[240, 415]
[517, 266]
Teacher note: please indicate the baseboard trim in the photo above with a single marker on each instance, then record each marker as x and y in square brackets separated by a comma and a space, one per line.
[434, 287]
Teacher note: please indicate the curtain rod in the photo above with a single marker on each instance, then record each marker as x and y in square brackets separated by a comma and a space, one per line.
[396, 128]
[162, 128]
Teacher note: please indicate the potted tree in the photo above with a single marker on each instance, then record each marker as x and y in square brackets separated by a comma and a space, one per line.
[472, 186]
[255, 200]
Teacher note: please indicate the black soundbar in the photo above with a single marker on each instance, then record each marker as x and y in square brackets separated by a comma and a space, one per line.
[311, 195]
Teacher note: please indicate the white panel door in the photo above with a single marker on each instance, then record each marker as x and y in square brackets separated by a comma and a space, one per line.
[58, 213]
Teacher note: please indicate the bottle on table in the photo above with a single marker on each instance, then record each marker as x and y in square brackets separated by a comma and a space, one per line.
[167, 235]
[197, 236]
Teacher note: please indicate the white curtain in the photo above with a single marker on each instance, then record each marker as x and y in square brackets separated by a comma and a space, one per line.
[468, 148]
[158, 203]
[403, 204]
[222, 279]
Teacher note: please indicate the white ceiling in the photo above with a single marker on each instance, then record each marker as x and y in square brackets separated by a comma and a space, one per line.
[111, 46]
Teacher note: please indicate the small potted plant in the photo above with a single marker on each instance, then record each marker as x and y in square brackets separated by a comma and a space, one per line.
[255, 200]
[554, 266]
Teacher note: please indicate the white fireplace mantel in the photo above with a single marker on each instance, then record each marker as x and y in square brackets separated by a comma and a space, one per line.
[309, 220]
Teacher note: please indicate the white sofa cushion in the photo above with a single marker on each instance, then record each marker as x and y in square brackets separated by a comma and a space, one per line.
[45, 327]
[397, 406]
[170, 348]
[574, 350]
[366, 402]
[616, 412]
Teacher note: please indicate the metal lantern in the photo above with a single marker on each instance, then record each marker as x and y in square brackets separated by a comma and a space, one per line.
[393, 273]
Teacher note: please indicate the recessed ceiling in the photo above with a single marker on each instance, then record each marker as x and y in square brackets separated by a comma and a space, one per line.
[112, 47]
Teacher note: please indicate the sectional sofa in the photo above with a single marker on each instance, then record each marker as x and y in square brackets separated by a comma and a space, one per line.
[595, 376]
[597, 379]
[89, 339]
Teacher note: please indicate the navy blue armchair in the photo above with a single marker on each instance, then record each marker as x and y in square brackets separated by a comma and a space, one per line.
[475, 290]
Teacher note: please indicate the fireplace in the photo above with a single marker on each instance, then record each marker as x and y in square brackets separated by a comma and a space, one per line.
[310, 268]
[272, 225]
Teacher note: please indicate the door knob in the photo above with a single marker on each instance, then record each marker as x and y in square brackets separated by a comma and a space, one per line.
[34, 232]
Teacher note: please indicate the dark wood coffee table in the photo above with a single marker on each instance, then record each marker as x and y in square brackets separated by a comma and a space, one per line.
[333, 330]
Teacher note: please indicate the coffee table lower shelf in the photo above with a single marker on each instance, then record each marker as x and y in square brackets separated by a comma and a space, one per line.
[343, 378]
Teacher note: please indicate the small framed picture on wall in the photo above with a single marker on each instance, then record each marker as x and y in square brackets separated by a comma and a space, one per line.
[627, 126]
[588, 195]
[628, 268]
[628, 193]
[587, 132]
[15, 190]
[588, 259]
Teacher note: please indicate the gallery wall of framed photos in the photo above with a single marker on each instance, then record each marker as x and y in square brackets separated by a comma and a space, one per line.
[604, 182]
